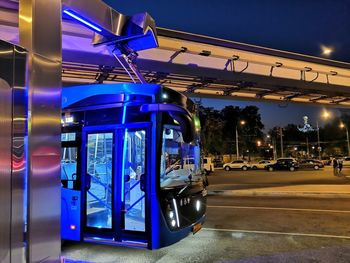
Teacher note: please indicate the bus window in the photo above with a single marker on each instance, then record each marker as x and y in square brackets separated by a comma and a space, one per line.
[135, 162]
[69, 156]
[180, 162]
[99, 167]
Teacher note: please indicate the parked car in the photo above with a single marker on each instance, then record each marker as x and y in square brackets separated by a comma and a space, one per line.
[237, 164]
[326, 160]
[283, 164]
[346, 161]
[218, 163]
[311, 164]
[208, 165]
[261, 164]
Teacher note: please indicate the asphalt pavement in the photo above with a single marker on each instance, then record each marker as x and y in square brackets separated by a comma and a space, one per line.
[320, 183]
[254, 228]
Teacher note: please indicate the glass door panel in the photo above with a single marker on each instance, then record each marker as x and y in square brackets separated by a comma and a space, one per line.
[134, 162]
[99, 180]
[69, 162]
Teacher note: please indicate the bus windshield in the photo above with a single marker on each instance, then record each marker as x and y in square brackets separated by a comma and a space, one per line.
[180, 161]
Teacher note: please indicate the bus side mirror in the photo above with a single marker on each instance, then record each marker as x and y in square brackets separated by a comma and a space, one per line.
[143, 182]
[182, 116]
[88, 181]
[186, 124]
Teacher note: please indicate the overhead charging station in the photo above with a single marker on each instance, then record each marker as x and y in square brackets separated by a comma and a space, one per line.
[123, 36]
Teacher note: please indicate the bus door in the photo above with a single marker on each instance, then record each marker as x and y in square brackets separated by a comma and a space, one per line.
[114, 181]
[70, 184]
[98, 170]
[135, 170]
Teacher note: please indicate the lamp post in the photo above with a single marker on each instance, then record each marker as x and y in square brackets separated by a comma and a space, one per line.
[281, 138]
[325, 115]
[237, 147]
[274, 149]
[318, 140]
[342, 125]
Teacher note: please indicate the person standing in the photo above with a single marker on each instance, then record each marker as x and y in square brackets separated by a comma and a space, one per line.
[340, 165]
[335, 167]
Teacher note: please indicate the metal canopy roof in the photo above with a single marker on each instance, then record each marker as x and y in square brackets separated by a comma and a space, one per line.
[204, 66]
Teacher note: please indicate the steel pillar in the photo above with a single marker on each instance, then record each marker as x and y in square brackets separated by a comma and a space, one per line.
[5, 170]
[12, 154]
[40, 34]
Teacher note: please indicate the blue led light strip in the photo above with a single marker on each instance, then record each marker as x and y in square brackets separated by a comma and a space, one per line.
[124, 152]
[123, 162]
[82, 20]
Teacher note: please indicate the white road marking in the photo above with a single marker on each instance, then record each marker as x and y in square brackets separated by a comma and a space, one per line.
[279, 208]
[275, 233]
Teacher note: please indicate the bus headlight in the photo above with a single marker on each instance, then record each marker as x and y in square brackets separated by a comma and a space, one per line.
[173, 214]
[172, 220]
[198, 205]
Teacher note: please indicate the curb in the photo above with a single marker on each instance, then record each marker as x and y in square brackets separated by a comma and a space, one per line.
[278, 194]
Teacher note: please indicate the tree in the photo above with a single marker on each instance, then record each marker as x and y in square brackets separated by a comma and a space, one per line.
[252, 130]
[218, 129]
[333, 138]
[211, 130]
[231, 117]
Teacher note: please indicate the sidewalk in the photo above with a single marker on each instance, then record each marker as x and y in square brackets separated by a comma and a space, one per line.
[305, 190]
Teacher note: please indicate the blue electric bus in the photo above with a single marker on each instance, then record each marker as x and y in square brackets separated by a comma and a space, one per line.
[131, 172]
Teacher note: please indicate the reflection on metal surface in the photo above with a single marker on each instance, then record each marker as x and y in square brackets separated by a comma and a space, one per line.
[6, 52]
[85, 22]
[5, 169]
[137, 32]
[18, 156]
[24, 18]
[107, 18]
[12, 155]
[44, 91]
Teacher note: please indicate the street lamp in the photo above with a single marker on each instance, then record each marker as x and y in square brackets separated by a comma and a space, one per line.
[242, 122]
[325, 115]
[342, 126]
[326, 51]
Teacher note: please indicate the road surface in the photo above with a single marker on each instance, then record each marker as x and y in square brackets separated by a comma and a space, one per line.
[253, 229]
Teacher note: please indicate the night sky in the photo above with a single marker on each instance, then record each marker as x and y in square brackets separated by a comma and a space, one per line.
[300, 26]
[280, 114]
